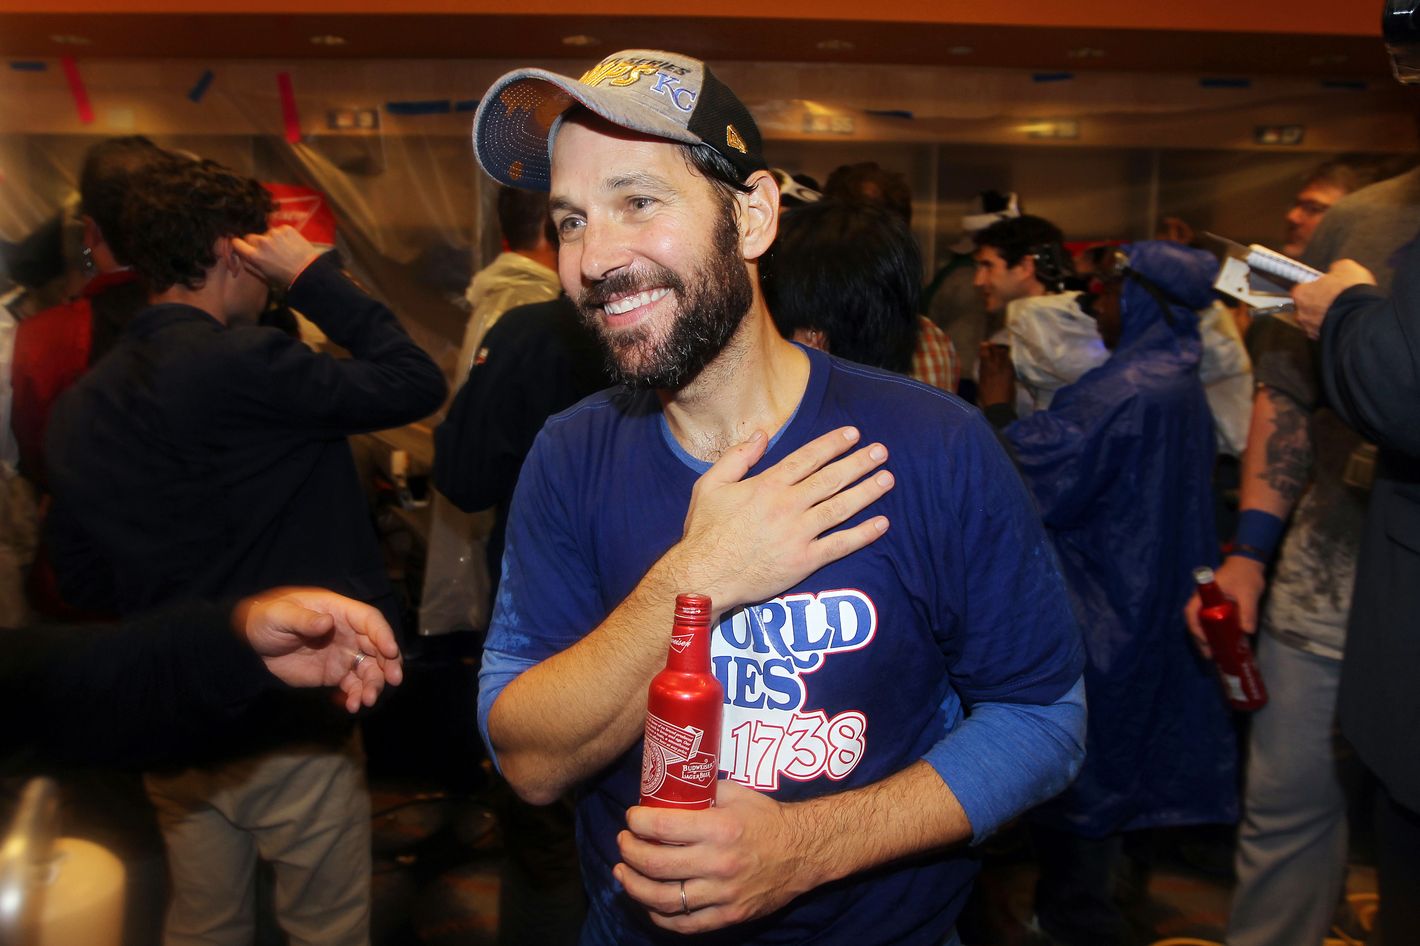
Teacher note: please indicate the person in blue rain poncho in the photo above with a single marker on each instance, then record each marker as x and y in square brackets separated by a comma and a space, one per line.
[1119, 465]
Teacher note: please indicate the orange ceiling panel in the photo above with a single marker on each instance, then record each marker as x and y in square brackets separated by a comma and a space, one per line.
[1316, 17]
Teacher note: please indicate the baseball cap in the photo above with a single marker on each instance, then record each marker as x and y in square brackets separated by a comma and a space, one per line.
[657, 93]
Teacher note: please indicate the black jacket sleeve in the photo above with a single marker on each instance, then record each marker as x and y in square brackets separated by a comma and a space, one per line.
[388, 381]
[152, 690]
[1370, 348]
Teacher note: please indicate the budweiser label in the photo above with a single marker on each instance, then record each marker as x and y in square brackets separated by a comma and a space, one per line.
[675, 753]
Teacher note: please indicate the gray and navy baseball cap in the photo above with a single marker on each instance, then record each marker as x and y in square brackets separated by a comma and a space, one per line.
[657, 93]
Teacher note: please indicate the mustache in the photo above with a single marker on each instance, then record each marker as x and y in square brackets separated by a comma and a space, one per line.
[626, 283]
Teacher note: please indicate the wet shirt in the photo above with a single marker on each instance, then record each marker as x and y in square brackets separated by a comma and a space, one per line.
[844, 679]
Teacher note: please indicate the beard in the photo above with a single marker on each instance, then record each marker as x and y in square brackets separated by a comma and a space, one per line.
[710, 305]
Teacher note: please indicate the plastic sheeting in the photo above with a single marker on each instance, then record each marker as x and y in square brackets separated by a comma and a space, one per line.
[418, 258]
[387, 142]
[1053, 343]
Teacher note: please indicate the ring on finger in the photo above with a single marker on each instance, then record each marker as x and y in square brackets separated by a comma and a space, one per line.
[684, 904]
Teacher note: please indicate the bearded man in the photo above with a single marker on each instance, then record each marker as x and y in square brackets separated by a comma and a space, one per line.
[900, 666]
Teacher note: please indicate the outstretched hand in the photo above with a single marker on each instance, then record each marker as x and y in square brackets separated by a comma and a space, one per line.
[310, 637]
[746, 540]
[739, 861]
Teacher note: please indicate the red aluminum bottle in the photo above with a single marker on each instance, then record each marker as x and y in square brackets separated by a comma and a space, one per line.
[1242, 684]
[681, 765]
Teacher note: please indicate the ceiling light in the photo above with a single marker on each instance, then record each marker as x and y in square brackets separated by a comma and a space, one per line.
[328, 39]
[581, 39]
[68, 39]
[835, 45]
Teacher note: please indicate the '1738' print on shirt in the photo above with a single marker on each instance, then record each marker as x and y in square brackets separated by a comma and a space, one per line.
[763, 656]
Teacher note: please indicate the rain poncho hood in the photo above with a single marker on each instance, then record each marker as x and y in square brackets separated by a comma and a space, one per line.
[1120, 467]
[1184, 276]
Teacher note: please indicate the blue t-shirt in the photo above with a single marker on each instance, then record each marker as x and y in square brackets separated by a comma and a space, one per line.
[865, 667]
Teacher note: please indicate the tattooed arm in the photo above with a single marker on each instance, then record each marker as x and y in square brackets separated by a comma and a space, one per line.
[1278, 462]
[1276, 469]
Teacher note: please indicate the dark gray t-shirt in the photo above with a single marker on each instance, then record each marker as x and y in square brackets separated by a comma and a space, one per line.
[1310, 593]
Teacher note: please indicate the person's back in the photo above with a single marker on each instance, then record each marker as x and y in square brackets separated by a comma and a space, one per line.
[208, 484]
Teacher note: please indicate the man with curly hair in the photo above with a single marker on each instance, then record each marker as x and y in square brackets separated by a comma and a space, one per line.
[206, 457]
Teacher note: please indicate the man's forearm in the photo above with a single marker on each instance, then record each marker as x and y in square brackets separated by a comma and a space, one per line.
[1278, 460]
[920, 810]
[365, 326]
[902, 815]
[574, 713]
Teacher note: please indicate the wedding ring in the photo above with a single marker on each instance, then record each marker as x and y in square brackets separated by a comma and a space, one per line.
[684, 906]
[355, 660]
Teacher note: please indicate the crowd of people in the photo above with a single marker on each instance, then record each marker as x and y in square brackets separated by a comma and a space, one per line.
[949, 535]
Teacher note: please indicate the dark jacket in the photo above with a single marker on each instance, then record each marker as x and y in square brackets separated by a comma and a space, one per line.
[1371, 371]
[537, 360]
[198, 460]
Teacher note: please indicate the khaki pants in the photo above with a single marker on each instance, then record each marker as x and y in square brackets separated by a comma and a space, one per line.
[304, 809]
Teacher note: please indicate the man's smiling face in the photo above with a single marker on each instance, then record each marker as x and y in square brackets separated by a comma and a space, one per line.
[649, 251]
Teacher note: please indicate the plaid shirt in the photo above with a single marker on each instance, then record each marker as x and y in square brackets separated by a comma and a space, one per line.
[935, 360]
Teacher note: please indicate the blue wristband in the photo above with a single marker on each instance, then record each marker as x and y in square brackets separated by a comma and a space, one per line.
[1257, 536]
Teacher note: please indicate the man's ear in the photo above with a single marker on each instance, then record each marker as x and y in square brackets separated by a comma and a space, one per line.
[812, 337]
[1027, 265]
[759, 214]
[227, 256]
[93, 236]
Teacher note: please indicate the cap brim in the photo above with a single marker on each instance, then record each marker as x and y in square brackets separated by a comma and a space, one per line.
[516, 119]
